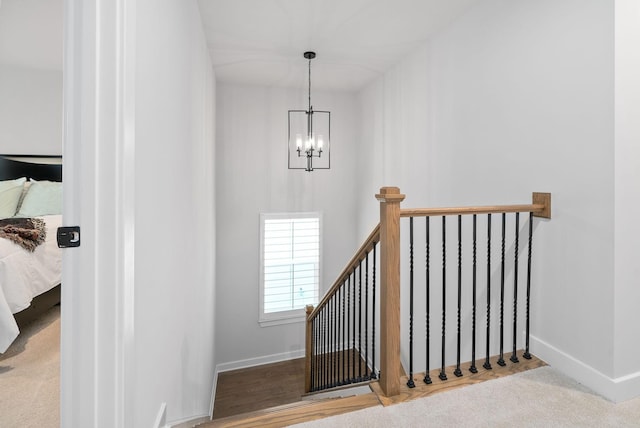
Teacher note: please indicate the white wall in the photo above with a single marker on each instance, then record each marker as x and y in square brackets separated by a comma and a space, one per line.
[519, 98]
[394, 137]
[175, 194]
[30, 110]
[252, 177]
[627, 184]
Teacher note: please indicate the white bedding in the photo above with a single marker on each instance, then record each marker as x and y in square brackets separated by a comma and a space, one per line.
[24, 275]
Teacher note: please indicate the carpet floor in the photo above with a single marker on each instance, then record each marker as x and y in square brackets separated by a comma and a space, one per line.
[541, 397]
[30, 375]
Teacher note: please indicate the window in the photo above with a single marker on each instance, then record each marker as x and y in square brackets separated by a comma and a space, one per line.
[290, 266]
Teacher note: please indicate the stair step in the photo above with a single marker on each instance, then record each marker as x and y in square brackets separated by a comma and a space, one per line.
[340, 392]
[301, 411]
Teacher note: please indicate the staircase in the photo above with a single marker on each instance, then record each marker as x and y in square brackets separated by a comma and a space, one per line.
[445, 324]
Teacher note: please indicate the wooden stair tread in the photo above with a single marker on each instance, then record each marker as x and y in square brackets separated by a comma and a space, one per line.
[422, 390]
[301, 411]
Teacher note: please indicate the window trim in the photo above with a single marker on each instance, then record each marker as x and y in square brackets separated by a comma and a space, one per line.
[296, 315]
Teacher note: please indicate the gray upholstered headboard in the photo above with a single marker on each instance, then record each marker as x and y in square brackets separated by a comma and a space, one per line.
[31, 166]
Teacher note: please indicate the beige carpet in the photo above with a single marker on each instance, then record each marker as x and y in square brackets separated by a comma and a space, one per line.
[30, 376]
[541, 397]
[30, 384]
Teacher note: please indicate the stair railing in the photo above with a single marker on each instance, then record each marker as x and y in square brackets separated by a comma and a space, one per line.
[340, 331]
[340, 352]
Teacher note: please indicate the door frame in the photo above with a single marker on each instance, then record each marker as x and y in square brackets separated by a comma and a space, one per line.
[97, 318]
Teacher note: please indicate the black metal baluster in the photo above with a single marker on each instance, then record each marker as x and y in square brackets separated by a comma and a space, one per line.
[348, 328]
[319, 350]
[319, 372]
[338, 342]
[427, 377]
[342, 342]
[514, 355]
[443, 375]
[334, 353]
[487, 363]
[338, 338]
[323, 361]
[526, 354]
[410, 382]
[501, 358]
[374, 375]
[339, 315]
[360, 321]
[338, 346]
[318, 346]
[329, 345]
[473, 368]
[457, 371]
[313, 341]
[341, 329]
[353, 325]
[327, 365]
[328, 348]
[366, 317]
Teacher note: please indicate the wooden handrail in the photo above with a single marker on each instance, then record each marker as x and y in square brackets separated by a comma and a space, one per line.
[541, 207]
[425, 212]
[365, 248]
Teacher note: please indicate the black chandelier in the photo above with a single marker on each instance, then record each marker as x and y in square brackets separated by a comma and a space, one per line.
[309, 135]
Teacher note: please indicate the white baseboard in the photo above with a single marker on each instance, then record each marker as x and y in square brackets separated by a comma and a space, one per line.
[614, 389]
[189, 422]
[213, 392]
[161, 417]
[258, 361]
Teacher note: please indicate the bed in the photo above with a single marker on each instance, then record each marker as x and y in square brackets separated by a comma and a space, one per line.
[29, 280]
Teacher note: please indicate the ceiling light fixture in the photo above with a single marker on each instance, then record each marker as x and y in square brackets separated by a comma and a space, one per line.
[309, 135]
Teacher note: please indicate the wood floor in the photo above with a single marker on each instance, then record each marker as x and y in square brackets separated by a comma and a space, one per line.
[257, 388]
[270, 395]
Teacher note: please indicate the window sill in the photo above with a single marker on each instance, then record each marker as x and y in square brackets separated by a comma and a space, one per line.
[270, 322]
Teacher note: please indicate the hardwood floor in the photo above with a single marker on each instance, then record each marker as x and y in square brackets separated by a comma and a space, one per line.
[270, 395]
[257, 388]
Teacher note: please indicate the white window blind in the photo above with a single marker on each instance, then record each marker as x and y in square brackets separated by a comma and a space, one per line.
[290, 264]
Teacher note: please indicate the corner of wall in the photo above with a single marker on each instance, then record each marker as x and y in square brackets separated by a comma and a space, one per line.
[613, 389]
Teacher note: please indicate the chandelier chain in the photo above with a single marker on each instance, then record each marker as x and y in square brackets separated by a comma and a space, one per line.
[309, 83]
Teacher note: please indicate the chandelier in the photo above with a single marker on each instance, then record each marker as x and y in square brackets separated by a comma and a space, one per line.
[309, 135]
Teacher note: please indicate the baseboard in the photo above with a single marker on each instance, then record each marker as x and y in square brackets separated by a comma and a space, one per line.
[189, 423]
[161, 417]
[613, 389]
[213, 392]
[258, 361]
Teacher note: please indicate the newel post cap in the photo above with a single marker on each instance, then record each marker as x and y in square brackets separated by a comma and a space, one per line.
[390, 194]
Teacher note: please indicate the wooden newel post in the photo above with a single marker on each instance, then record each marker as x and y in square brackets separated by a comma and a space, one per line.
[307, 353]
[390, 369]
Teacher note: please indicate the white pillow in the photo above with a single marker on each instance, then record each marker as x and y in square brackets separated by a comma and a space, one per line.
[42, 198]
[10, 192]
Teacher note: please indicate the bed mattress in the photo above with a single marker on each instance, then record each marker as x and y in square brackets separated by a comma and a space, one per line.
[25, 275]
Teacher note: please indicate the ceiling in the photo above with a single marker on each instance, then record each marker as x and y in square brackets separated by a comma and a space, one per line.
[262, 41]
